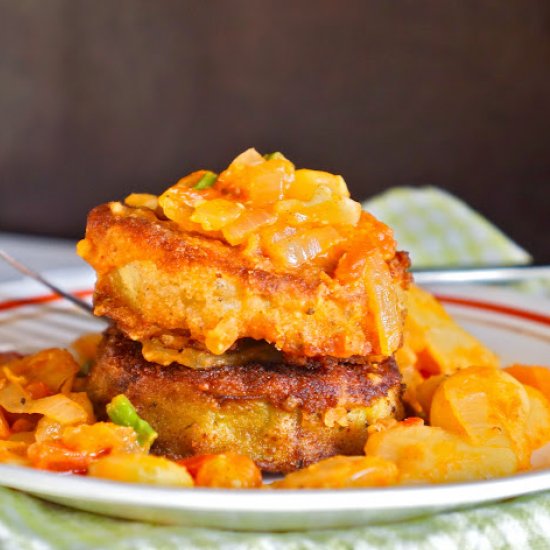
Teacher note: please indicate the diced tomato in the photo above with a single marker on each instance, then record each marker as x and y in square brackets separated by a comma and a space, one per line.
[23, 424]
[38, 390]
[4, 426]
[258, 182]
[55, 456]
[195, 463]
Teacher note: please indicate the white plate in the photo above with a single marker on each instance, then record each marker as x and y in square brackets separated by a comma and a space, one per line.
[516, 326]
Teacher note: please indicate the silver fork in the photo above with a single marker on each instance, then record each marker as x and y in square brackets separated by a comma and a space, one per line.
[37, 277]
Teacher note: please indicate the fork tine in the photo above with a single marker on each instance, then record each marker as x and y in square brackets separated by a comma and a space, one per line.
[37, 277]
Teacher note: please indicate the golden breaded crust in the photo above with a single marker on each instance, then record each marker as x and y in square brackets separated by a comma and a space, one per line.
[283, 417]
[154, 279]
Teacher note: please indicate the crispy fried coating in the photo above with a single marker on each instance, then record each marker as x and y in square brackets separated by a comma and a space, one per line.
[155, 279]
[282, 416]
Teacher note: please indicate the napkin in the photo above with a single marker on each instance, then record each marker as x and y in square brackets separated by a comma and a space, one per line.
[28, 523]
[438, 230]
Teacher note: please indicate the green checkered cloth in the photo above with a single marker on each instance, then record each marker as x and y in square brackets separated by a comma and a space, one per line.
[30, 524]
[437, 229]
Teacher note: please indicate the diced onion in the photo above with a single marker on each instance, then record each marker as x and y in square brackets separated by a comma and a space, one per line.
[248, 222]
[53, 367]
[57, 407]
[304, 246]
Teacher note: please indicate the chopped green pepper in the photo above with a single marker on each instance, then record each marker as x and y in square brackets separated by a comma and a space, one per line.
[85, 368]
[122, 412]
[274, 156]
[208, 180]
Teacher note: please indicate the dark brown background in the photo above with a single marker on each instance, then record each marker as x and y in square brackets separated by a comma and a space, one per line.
[102, 97]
